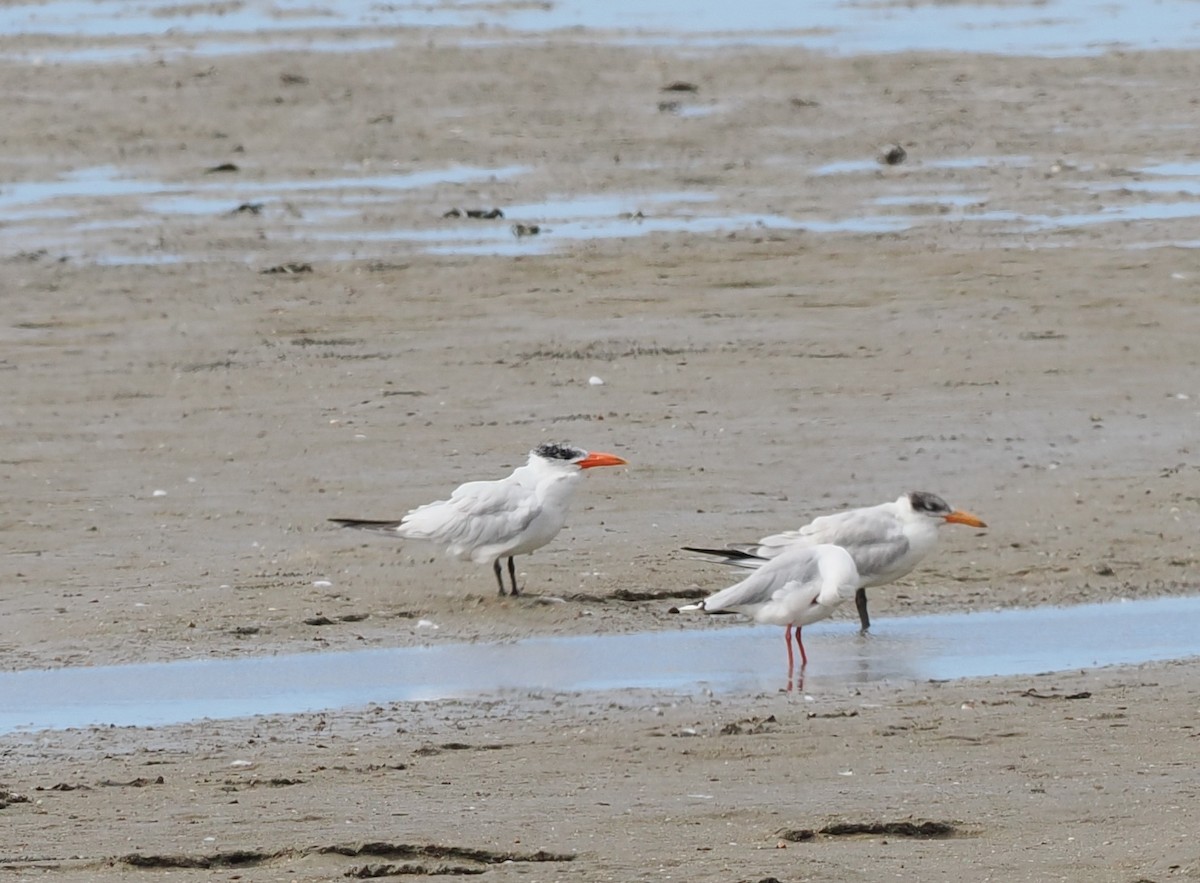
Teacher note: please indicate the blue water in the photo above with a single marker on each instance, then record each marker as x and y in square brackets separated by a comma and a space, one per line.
[109, 181]
[729, 660]
[317, 209]
[76, 213]
[1052, 27]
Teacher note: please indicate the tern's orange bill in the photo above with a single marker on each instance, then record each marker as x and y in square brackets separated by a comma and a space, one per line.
[596, 458]
[960, 517]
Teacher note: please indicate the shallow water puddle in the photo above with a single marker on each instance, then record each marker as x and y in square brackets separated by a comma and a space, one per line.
[80, 210]
[76, 213]
[572, 219]
[1050, 27]
[94, 214]
[101, 182]
[732, 659]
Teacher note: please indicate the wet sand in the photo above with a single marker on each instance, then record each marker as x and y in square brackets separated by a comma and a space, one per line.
[180, 424]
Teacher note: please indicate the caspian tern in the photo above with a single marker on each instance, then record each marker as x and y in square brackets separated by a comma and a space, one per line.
[801, 585]
[886, 541]
[484, 521]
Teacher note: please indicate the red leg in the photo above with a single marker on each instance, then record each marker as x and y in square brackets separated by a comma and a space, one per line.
[800, 644]
[787, 640]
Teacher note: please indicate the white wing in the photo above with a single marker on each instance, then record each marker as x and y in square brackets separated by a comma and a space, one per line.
[803, 585]
[797, 571]
[479, 521]
[874, 536]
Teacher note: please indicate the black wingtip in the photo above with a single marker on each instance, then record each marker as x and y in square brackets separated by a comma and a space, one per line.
[359, 522]
[727, 554]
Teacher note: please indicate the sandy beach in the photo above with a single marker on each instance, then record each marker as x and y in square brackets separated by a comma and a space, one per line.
[1006, 318]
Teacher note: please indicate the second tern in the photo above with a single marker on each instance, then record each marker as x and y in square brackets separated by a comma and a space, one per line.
[802, 585]
[886, 541]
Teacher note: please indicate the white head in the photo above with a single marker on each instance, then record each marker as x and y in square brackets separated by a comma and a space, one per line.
[561, 455]
[923, 504]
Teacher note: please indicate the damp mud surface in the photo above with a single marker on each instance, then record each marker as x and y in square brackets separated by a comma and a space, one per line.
[255, 278]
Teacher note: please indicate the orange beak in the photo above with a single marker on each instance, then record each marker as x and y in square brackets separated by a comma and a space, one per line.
[596, 458]
[960, 517]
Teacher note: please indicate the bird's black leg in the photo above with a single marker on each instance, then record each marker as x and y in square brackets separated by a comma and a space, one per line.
[860, 601]
[500, 579]
[512, 574]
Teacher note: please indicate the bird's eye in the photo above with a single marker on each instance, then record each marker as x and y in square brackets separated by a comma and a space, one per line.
[924, 502]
